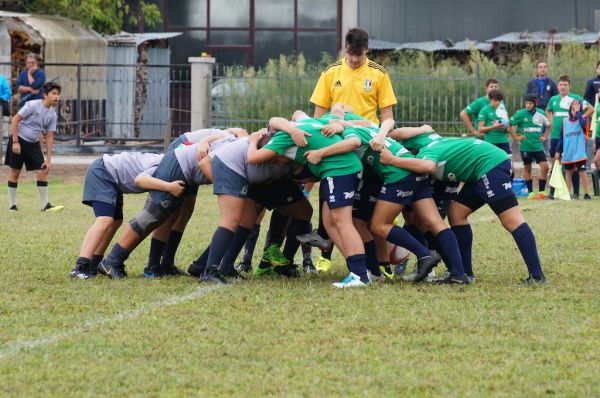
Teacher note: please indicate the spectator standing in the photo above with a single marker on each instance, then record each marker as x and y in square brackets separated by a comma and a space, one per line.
[592, 86]
[541, 85]
[30, 81]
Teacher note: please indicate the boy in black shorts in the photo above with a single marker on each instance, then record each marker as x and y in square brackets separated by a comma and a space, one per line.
[36, 118]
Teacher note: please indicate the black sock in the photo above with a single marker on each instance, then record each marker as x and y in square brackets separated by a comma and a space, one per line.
[357, 265]
[449, 246]
[371, 257]
[276, 232]
[82, 263]
[464, 237]
[552, 191]
[296, 227]
[233, 249]
[221, 239]
[525, 240]
[321, 228]
[157, 248]
[202, 260]
[529, 184]
[250, 244]
[170, 250]
[575, 180]
[415, 233]
[306, 249]
[401, 237]
[96, 260]
[542, 185]
[117, 255]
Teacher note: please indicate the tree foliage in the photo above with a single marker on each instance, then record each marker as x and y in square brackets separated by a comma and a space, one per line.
[104, 16]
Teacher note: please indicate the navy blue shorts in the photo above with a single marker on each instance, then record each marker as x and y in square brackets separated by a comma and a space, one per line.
[339, 191]
[169, 170]
[529, 157]
[227, 181]
[100, 186]
[366, 198]
[597, 143]
[553, 145]
[493, 188]
[505, 146]
[175, 143]
[443, 193]
[410, 189]
[280, 193]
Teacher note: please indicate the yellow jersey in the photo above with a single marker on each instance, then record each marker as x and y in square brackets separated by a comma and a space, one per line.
[365, 89]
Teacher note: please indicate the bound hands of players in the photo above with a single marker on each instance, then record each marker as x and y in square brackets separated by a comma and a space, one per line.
[377, 143]
[299, 137]
[520, 137]
[176, 188]
[332, 129]
[314, 157]
[257, 136]
[427, 128]
[386, 156]
[203, 150]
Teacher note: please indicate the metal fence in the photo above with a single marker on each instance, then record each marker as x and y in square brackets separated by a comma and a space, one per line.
[117, 103]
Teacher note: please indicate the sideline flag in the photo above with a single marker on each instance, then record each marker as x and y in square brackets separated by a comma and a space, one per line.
[557, 181]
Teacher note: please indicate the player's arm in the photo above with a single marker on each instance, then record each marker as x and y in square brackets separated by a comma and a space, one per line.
[238, 132]
[559, 146]
[204, 145]
[589, 110]
[14, 131]
[387, 113]
[466, 119]
[258, 156]
[205, 166]
[282, 124]
[378, 142]
[412, 164]
[344, 146]
[319, 111]
[483, 129]
[549, 128]
[404, 133]
[149, 183]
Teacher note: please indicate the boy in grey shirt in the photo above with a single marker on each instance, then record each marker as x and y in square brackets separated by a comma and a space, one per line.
[37, 118]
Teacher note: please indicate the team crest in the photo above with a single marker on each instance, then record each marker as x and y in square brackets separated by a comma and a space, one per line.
[368, 85]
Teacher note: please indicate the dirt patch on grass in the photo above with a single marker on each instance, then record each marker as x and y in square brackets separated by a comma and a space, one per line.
[68, 173]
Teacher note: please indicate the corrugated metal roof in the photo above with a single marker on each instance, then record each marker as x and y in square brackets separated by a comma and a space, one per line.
[438, 45]
[546, 37]
[139, 38]
[383, 45]
[12, 14]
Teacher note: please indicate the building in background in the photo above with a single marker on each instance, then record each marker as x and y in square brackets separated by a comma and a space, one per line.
[248, 32]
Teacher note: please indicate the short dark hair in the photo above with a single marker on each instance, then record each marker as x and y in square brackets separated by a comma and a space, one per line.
[496, 94]
[357, 40]
[490, 81]
[564, 78]
[530, 98]
[49, 86]
[541, 61]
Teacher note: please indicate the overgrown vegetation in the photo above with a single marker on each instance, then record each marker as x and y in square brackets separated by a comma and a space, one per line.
[429, 89]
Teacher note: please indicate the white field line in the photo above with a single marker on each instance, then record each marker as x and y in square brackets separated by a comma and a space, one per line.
[52, 338]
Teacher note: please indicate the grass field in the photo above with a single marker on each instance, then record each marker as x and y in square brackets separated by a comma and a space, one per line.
[295, 338]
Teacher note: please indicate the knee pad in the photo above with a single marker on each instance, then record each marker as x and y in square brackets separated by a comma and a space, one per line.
[148, 219]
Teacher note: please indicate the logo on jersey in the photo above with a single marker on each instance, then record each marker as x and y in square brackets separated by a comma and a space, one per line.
[338, 84]
[348, 195]
[507, 186]
[331, 198]
[403, 194]
[368, 85]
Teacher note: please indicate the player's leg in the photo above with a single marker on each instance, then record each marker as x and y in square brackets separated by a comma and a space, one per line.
[34, 160]
[15, 163]
[543, 163]
[584, 180]
[527, 162]
[246, 264]
[167, 264]
[569, 178]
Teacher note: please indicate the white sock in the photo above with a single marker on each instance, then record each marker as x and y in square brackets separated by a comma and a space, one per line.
[12, 195]
[42, 187]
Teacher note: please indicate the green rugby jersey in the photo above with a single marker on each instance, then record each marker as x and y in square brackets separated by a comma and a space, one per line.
[559, 107]
[419, 141]
[530, 124]
[476, 106]
[370, 158]
[332, 166]
[489, 116]
[462, 159]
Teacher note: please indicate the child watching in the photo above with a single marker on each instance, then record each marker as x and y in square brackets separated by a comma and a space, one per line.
[528, 125]
[571, 147]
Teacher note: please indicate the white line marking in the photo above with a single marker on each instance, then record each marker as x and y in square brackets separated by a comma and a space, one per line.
[27, 345]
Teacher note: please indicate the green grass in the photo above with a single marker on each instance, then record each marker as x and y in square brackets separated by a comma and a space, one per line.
[277, 337]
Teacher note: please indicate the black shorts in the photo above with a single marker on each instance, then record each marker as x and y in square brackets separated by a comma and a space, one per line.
[579, 166]
[365, 198]
[31, 155]
[443, 193]
[529, 157]
[280, 193]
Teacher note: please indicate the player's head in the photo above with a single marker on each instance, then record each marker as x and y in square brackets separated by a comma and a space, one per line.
[530, 101]
[564, 84]
[541, 68]
[598, 68]
[495, 96]
[491, 84]
[52, 92]
[357, 44]
[31, 60]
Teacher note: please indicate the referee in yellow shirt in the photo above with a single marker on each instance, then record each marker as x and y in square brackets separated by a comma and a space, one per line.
[355, 81]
